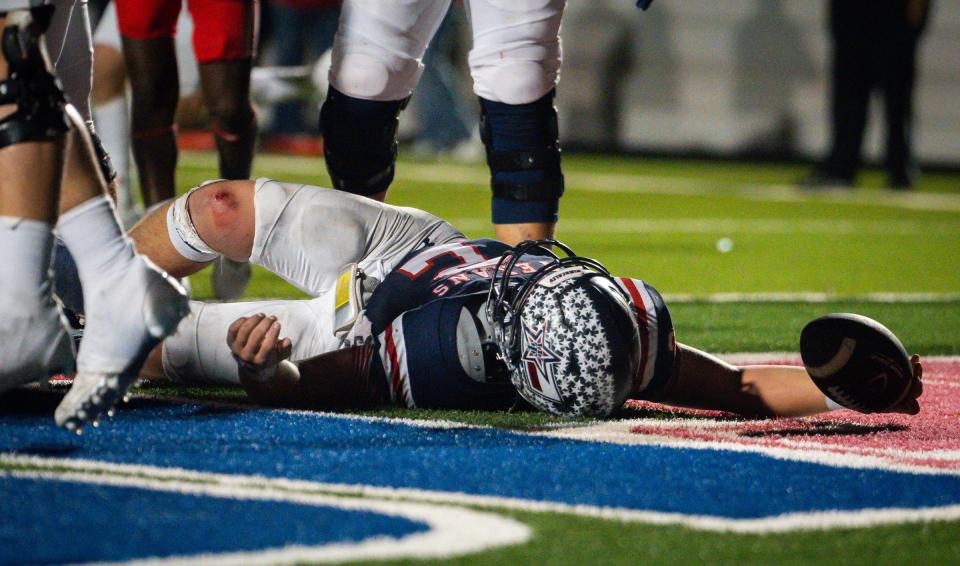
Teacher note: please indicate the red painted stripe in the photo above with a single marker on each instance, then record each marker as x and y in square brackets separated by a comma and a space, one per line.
[394, 364]
[644, 332]
[534, 379]
[930, 439]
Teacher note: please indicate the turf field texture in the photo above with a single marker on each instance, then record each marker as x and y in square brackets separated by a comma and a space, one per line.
[665, 221]
[744, 260]
[894, 256]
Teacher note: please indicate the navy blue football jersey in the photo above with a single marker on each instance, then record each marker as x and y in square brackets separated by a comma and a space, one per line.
[449, 270]
[434, 346]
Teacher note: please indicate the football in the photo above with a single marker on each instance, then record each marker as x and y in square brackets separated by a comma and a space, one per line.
[856, 361]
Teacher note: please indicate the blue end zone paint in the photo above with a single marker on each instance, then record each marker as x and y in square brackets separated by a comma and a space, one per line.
[59, 522]
[478, 461]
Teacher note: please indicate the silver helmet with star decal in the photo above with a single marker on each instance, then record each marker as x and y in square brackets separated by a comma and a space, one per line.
[566, 332]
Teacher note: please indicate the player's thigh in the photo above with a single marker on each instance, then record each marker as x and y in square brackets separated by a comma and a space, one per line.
[379, 46]
[147, 19]
[516, 55]
[307, 235]
[198, 352]
[223, 30]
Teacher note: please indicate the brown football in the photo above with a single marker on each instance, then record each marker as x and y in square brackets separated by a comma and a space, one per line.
[856, 361]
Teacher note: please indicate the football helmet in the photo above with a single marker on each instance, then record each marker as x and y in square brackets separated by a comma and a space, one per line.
[567, 332]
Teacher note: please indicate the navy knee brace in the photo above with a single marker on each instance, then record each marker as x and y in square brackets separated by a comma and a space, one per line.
[523, 153]
[360, 141]
[30, 84]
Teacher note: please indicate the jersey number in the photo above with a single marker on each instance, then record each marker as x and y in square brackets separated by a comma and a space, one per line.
[426, 260]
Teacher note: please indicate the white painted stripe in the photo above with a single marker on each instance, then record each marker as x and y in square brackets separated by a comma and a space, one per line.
[794, 358]
[781, 523]
[478, 176]
[811, 297]
[652, 184]
[733, 226]
[453, 531]
[619, 433]
[785, 297]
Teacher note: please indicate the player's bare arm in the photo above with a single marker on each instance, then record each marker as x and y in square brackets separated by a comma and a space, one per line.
[703, 381]
[338, 380]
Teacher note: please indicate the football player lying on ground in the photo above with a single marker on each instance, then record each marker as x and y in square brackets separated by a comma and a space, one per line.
[407, 311]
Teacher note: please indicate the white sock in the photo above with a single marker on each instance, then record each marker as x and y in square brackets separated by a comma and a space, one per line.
[25, 248]
[114, 129]
[96, 242]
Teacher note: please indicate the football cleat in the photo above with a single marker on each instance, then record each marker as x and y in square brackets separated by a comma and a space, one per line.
[118, 339]
[566, 333]
[34, 344]
[229, 278]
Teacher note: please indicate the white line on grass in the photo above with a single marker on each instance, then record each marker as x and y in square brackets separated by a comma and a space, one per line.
[781, 523]
[682, 186]
[453, 531]
[782, 297]
[300, 488]
[732, 226]
[479, 176]
[810, 297]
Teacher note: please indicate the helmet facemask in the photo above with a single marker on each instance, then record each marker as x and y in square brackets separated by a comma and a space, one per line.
[567, 332]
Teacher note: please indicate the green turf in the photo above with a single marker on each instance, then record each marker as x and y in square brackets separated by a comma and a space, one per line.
[924, 328]
[562, 539]
[661, 220]
[804, 243]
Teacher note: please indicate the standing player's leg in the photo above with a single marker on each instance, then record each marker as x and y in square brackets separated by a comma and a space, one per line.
[224, 41]
[147, 28]
[109, 108]
[376, 64]
[33, 342]
[515, 63]
[114, 278]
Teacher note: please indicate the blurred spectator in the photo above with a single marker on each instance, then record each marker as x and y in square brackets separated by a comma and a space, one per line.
[443, 115]
[224, 42]
[874, 47]
[301, 31]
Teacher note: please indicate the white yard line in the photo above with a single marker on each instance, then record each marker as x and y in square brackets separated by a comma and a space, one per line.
[477, 175]
[616, 432]
[376, 498]
[810, 297]
[453, 531]
[681, 186]
[736, 226]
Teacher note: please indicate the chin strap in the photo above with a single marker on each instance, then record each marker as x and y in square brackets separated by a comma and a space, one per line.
[30, 85]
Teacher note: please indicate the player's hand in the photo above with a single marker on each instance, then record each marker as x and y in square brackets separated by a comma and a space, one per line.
[911, 404]
[256, 344]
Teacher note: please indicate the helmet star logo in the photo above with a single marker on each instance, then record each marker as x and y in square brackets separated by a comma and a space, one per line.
[539, 361]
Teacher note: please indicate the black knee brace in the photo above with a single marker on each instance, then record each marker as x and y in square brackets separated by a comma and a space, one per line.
[523, 149]
[30, 85]
[360, 141]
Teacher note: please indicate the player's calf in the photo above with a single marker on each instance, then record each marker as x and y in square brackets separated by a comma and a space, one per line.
[523, 153]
